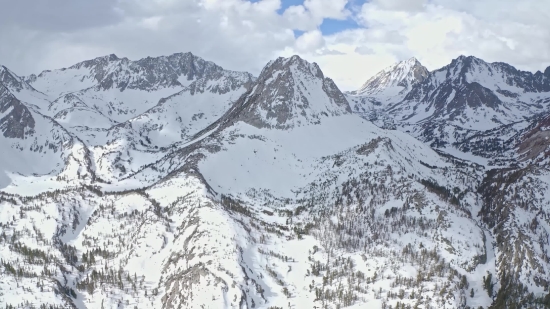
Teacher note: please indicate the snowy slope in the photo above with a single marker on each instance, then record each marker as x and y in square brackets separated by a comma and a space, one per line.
[395, 79]
[118, 89]
[37, 153]
[302, 172]
[456, 107]
[472, 94]
[236, 192]
[129, 146]
[30, 142]
[290, 92]
[19, 88]
[388, 86]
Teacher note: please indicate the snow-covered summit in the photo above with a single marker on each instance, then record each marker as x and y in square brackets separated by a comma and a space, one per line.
[12, 81]
[385, 88]
[109, 90]
[475, 94]
[149, 74]
[497, 76]
[463, 105]
[394, 79]
[290, 92]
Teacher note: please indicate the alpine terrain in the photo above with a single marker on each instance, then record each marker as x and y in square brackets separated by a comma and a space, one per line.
[171, 182]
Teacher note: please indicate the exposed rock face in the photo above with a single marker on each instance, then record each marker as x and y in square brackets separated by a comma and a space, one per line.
[149, 74]
[535, 140]
[13, 82]
[16, 120]
[291, 92]
[460, 106]
[450, 100]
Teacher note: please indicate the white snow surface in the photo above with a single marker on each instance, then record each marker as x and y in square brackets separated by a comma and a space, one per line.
[157, 198]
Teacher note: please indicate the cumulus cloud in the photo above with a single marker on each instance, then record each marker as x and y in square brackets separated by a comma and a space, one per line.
[310, 15]
[401, 5]
[364, 50]
[244, 35]
[236, 34]
[335, 9]
[439, 30]
[58, 15]
[310, 41]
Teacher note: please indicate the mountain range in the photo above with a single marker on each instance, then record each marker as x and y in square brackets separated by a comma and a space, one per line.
[171, 182]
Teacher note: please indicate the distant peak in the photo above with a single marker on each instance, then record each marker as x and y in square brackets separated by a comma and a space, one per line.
[291, 92]
[286, 64]
[295, 58]
[412, 60]
[5, 70]
[404, 74]
[470, 57]
[182, 54]
[409, 63]
[464, 58]
[291, 59]
[110, 57]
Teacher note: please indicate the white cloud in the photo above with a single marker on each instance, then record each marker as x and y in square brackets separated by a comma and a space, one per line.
[438, 31]
[300, 18]
[244, 35]
[364, 50]
[310, 41]
[401, 5]
[310, 15]
[327, 8]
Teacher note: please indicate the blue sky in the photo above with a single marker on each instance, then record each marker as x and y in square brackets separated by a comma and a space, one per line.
[329, 26]
[287, 3]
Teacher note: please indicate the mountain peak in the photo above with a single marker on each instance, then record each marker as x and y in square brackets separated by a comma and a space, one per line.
[5, 70]
[100, 62]
[293, 63]
[17, 121]
[466, 61]
[291, 92]
[183, 54]
[150, 73]
[395, 78]
[11, 80]
[411, 60]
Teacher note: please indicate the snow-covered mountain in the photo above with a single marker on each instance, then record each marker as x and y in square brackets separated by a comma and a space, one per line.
[31, 143]
[395, 79]
[290, 92]
[456, 107]
[114, 90]
[125, 147]
[190, 186]
[475, 95]
[119, 107]
[388, 86]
